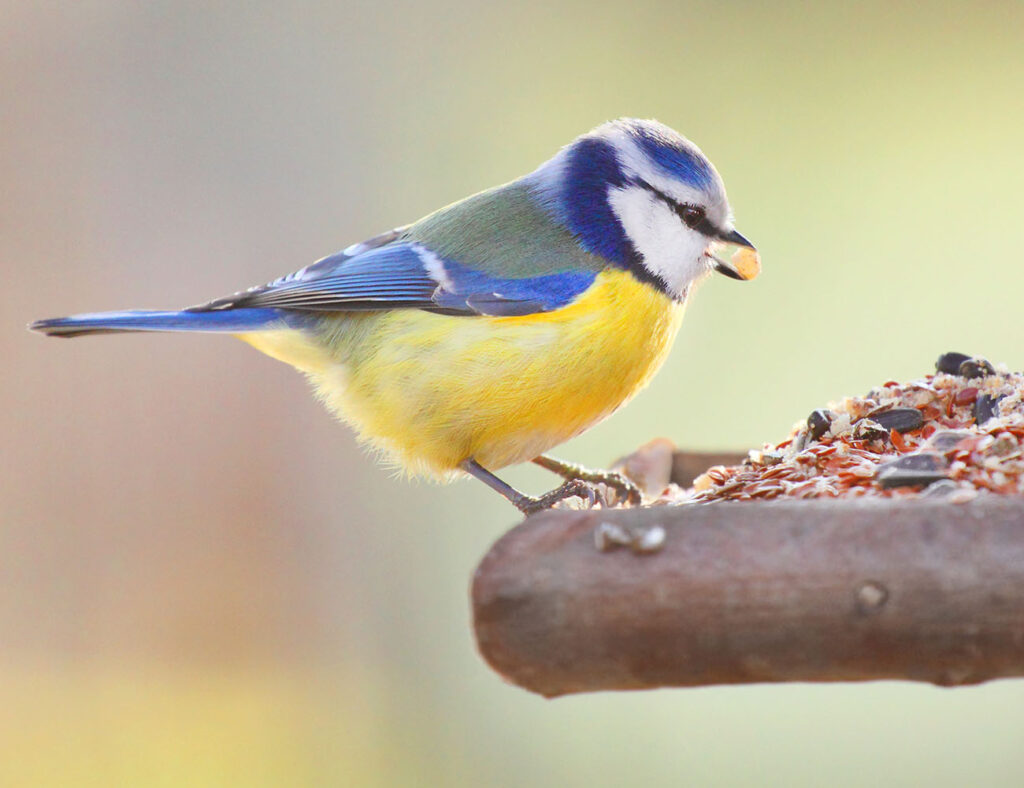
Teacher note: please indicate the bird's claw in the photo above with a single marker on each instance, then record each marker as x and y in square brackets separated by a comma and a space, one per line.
[573, 488]
[626, 491]
[614, 487]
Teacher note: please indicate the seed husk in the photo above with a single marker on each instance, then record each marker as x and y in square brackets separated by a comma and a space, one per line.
[869, 430]
[966, 396]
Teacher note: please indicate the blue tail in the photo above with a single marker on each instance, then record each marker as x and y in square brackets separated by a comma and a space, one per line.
[228, 320]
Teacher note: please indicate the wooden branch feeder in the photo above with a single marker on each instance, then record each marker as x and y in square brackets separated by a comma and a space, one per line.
[731, 593]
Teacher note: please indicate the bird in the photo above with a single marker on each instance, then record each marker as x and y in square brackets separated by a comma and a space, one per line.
[502, 325]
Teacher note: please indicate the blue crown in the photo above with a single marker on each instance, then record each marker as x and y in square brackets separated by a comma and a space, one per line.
[674, 154]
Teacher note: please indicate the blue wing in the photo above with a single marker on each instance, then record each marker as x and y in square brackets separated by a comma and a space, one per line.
[404, 274]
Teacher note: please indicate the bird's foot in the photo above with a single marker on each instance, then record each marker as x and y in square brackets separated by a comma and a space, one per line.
[573, 488]
[623, 492]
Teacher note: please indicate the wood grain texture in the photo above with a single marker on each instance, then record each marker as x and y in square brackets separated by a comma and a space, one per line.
[759, 592]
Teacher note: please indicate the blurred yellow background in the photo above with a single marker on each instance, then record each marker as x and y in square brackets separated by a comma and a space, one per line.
[202, 579]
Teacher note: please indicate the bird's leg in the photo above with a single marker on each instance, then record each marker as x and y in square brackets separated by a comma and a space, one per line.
[626, 491]
[573, 488]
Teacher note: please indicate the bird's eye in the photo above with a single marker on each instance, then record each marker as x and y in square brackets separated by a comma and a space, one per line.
[691, 215]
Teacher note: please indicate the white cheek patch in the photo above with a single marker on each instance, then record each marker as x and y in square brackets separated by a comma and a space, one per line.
[670, 249]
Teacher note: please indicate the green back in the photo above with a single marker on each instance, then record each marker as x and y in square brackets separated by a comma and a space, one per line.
[503, 232]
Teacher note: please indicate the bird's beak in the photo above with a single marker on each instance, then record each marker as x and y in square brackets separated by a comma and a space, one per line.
[735, 238]
[746, 262]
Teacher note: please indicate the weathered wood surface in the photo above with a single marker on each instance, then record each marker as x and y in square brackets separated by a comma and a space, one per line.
[758, 592]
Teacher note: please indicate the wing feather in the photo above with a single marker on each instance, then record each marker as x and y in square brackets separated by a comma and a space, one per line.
[417, 267]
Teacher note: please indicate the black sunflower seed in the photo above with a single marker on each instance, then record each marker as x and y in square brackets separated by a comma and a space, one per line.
[900, 419]
[985, 407]
[950, 363]
[942, 488]
[976, 368]
[818, 423]
[911, 470]
[947, 440]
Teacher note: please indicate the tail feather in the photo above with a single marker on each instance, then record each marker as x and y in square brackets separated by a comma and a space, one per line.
[229, 320]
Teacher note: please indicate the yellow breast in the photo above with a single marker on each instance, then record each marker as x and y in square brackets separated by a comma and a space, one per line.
[432, 390]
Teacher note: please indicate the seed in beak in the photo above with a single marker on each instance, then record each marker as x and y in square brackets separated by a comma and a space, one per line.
[747, 262]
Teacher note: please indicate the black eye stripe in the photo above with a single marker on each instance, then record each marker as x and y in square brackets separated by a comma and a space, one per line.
[703, 226]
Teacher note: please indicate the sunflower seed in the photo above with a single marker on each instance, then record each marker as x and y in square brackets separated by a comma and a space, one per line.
[911, 470]
[818, 423]
[986, 407]
[947, 440]
[976, 368]
[900, 419]
[943, 488]
[950, 363]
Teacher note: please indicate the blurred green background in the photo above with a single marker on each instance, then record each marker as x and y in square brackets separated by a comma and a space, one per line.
[202, 579]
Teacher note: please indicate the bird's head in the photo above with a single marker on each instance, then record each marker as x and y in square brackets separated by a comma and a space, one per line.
[645, 198]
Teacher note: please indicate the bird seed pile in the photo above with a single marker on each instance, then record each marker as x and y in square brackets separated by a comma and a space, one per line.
[952, 435]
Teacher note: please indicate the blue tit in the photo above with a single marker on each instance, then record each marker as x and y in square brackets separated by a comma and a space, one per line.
[499, 326]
